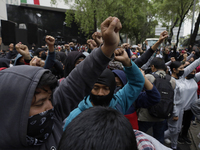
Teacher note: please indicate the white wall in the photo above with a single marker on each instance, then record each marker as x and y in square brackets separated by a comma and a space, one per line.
[3, 11]
[60, 4]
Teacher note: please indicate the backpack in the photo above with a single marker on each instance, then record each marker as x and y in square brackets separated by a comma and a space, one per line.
[164, 108]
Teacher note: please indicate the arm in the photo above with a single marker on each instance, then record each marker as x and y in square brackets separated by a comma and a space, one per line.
[190, 56]
[129, 93]
[145, 57]
[197, 77]
[191, 67]
[145, 66]
[50, 60]
[149, 97]
[80, 81]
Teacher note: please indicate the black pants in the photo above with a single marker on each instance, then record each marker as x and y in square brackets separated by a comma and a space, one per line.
[187, 117]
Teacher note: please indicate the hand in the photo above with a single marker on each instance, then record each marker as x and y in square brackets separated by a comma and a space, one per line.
[37, 62]
[97, 36]
[92, 44]
[110, 32]
[193, 52]
[122, 56]
[0, 40]
[175, 118]
[139, 46]
[50, 40]
[173, 59]
[23, 50]
[163, 35]
[185, 56]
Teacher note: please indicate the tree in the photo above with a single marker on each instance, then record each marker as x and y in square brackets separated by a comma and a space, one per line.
[194, 34]
[90, 13]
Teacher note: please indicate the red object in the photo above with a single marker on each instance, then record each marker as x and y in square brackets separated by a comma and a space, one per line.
[37, 2]
[133, 119]
[183, 51]
[3, 68]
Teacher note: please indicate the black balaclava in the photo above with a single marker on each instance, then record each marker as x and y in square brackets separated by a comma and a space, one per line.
[106, 78]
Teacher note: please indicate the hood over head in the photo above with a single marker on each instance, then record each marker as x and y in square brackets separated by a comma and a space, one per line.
[121, 74]
[70, 61]
[107, 78]
[4, 62]
[17, 86]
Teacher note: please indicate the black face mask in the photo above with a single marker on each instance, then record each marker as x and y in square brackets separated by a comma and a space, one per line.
[190, 76]
[117, 88]
[106, 78]
[101, 100]
[181, 72]
[43, 56]
[40, 127]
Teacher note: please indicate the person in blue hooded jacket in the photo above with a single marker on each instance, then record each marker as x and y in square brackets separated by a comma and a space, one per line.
[102, 93]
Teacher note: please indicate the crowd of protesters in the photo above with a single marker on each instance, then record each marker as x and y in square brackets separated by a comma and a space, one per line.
[98, 96]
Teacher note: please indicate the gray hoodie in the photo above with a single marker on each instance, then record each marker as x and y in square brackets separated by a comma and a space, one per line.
[17, 87]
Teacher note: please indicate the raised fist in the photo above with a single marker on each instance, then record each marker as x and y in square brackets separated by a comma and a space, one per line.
[110, 31]
[23, 50]
[163, 35]
[122, 56]
[97, 36]
[50, 40]
[37, 62]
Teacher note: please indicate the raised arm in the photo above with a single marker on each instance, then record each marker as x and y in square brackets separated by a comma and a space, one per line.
[50, 60]
[129, 93]
[191, 67]
[145, 57]
[81, 80]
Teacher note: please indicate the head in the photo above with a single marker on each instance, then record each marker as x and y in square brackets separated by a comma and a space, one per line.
[157, 64]
[72, 60]
[67, 47]
[29, 101]
[11, 46]
[42, 100]
[103, 89]
[166, 50]
[177, 69]
[105, 129]
[120, 79]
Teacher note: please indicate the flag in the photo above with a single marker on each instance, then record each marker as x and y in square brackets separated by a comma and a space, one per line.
[34, 2]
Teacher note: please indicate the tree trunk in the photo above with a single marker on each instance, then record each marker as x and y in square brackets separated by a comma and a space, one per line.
[194, 34]
[95, 21]
[177, 37]
[171, 31]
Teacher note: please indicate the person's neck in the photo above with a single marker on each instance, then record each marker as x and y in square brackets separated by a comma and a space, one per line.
[174, 75]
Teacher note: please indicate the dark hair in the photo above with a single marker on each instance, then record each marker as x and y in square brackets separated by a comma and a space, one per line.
[99, 128]
[158, 63]
[175, 65]
[48, 79]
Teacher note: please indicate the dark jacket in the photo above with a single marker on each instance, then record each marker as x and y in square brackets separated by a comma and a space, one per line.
[144, 58]
[17, 86]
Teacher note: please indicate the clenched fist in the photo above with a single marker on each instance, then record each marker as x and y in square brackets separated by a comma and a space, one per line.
[97, 36]
[122, 56]
[110, 32]
[23, 50]
[50, 40]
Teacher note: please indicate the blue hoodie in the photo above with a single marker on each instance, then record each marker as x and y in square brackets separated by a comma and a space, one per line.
[124, 97]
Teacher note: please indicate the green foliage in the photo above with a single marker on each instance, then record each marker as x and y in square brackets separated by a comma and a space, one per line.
[135, 16]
